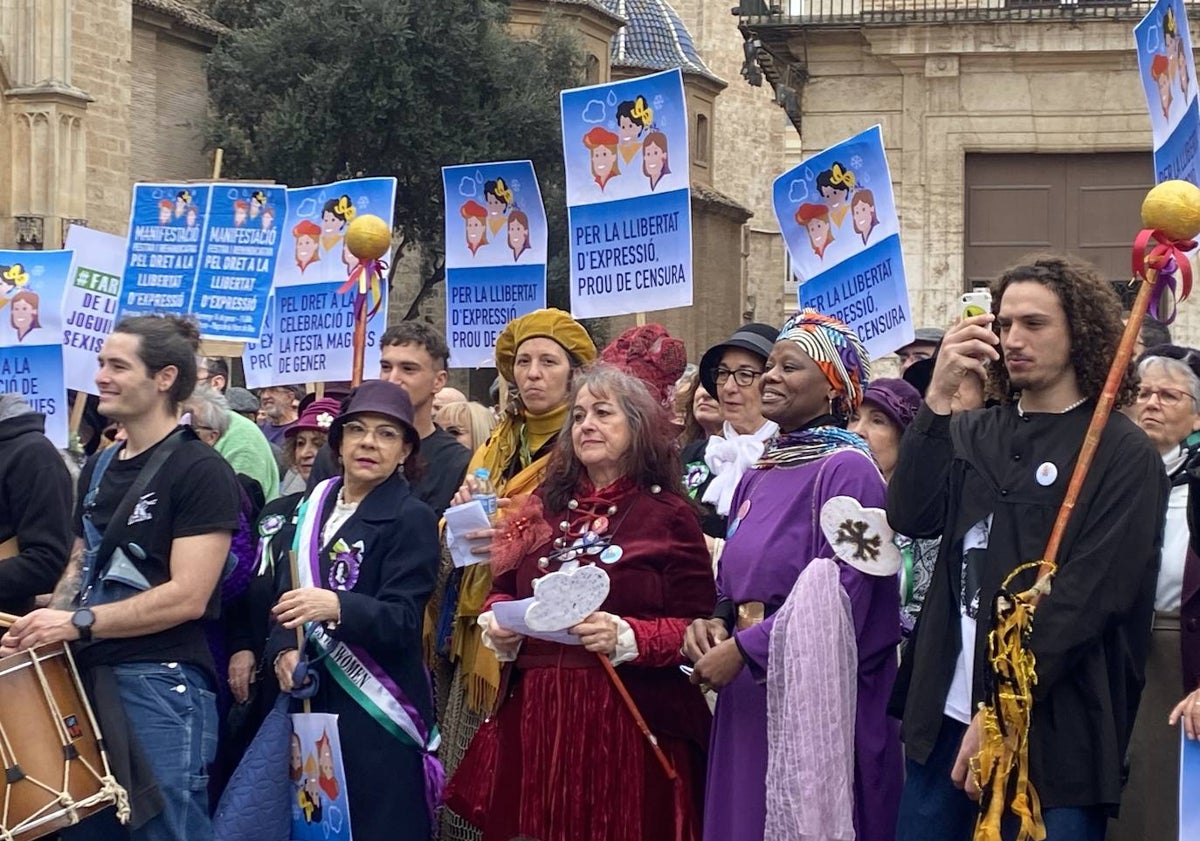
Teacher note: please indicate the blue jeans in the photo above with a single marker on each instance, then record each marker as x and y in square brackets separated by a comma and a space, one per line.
[932, 809]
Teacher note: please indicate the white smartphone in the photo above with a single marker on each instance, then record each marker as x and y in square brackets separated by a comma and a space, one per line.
[975, 302]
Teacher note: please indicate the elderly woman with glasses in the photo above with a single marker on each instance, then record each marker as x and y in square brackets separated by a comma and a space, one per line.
[1168, 410]
[713, 466]
[366, 560]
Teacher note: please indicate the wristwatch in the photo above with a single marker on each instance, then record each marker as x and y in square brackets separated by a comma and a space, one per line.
[83, 619]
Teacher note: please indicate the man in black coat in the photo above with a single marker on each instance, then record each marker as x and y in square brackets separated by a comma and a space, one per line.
[990, 483]
[35, 507]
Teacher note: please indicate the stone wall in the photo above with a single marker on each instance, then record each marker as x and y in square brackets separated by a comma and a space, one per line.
[101, 50]
[941, 92]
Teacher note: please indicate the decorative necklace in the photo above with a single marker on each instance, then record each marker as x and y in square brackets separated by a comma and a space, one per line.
[1075, 405]
[589, 535]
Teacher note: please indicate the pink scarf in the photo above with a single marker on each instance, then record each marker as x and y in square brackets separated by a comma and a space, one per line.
[812, 699]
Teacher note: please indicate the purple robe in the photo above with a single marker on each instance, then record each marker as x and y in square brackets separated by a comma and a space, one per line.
[775, 532]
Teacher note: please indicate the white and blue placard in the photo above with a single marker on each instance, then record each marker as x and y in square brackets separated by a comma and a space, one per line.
[1168, 74]
[310, 334]
[237, 262]
[31, 331]
[166, 235]
[625, 145]
[89, 304]
[495, 255]
[838, 218]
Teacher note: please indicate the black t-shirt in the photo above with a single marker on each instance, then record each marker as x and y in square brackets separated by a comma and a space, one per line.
[445, 463]
[194, 493]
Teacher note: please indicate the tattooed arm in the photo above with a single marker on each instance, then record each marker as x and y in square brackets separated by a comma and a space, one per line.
[68, 586]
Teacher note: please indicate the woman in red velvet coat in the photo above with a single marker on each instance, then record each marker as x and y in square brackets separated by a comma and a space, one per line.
[563, 759]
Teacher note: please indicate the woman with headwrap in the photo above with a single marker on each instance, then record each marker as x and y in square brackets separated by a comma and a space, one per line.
[539, 352]
[814, 378]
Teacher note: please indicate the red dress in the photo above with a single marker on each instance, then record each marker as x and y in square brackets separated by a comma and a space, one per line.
[570, 763]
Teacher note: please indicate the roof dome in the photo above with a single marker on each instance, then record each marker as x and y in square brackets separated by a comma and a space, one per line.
[654, 38]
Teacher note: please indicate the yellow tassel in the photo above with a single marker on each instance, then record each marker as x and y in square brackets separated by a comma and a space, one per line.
[1004, 746]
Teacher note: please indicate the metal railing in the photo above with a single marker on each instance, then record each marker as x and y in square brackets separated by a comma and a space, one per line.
[802, 13]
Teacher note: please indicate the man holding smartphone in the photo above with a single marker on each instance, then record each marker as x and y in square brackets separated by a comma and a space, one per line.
[990, 484]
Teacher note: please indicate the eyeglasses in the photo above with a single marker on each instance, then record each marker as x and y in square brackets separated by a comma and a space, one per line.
[354, 431]
[1166, 396]
[744, 377]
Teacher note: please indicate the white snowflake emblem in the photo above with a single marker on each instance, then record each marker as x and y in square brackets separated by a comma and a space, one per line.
[324, 420]
[856, 162]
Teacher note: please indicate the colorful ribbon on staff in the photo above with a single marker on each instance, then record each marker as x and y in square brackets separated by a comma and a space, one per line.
[368, 277]
[1154, 250]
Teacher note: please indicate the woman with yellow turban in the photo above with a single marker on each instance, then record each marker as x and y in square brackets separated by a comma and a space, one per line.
[539, 352]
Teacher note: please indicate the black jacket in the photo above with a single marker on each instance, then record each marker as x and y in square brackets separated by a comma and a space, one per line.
[1091, 634]
[383, 614]
[35, 507]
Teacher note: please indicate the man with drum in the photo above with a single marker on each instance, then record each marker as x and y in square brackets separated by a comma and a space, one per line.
[153, 526]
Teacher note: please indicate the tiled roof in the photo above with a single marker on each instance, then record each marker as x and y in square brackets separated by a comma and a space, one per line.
[654, 38]
[185, 14]
[599, 5]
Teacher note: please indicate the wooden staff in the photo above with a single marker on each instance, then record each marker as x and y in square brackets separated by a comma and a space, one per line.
[360, 336]
[7, 620]
[294, 562]
[637, 716]
[77, 407]
[1095, 429]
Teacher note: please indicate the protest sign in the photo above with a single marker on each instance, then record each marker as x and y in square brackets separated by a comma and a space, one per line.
[31, 331]
[166, 234]
[837, 216]
[495, 255]
[320, 802]
[628, 196]
[1189, 787]
[89, 304]
[310, 334]
[1168, 73]
[237, 262]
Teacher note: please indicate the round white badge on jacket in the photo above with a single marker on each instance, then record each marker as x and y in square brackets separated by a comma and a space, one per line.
[1046, 474]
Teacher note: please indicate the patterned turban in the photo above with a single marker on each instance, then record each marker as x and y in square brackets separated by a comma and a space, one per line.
[835, 348]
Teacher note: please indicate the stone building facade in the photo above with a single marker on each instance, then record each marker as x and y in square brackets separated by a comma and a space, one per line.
[1011, 127]
[80, 83]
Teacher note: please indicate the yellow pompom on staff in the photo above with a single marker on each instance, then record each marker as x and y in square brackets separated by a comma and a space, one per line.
[1171, 214]
[369, 238]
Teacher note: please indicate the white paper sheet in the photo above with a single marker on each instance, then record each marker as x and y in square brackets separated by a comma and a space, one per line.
[461, 520]
[511, 617]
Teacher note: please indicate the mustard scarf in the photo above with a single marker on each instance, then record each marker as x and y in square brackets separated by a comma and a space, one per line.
[516, 438]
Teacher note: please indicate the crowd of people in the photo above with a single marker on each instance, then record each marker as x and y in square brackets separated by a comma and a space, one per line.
[801, 565]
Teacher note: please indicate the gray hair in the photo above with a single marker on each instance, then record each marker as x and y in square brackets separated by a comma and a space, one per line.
[209, 408]
[1177, 367]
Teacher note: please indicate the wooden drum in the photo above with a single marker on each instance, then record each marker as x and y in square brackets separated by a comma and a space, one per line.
[55, 770]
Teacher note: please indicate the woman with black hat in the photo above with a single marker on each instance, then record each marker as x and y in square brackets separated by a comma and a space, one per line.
[730, 372]
[367, 553]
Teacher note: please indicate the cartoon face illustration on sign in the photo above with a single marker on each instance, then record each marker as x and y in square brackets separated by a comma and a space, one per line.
[498, 198]
[1160, 70]
[475, 218]
[182, 199]
[633, 116]
[835, 185]
[296, 760]
[602, 146]
[862, 210]
[240, 211]
[334, 216]
[23, 313]
[327, 780]
[193, 215]
[306, 233]
[268, 218]
[655, 163]
[164, 212]
[518, 233]
[815, 219]
[257, 202]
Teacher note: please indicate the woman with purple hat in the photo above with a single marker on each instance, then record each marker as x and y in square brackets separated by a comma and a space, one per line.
[304, 439]
[888, 407]
[366, 561]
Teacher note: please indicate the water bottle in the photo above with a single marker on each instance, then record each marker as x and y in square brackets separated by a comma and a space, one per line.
[485, 492]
